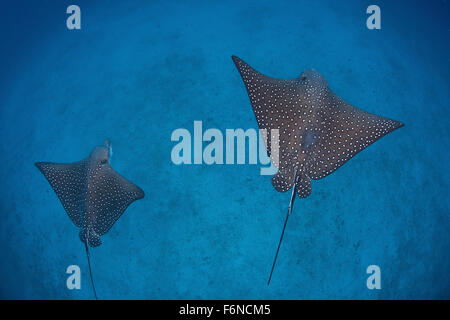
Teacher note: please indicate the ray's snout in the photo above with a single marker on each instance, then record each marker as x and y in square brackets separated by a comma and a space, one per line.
[314, 78]
[100, 154]
[108, 144]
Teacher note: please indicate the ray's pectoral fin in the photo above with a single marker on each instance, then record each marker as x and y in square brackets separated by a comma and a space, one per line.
[114, 195]
[69, 183]
[352, 131]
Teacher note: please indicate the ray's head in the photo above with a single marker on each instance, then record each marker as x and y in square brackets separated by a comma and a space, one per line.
[313, 79]
[102, 154]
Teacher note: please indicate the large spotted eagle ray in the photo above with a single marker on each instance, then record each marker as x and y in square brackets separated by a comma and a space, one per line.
[318, 131]
[93, 194]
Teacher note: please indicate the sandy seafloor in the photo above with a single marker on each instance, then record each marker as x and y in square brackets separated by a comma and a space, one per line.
[137, 70]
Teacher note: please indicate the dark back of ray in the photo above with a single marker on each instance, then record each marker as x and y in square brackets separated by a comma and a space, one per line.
[318, 131]
[110, 195]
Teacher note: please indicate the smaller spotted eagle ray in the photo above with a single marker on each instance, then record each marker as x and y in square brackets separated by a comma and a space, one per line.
[318, 131]
[93, 194]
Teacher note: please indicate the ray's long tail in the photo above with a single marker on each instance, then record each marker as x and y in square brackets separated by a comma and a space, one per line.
[291, 205]
[89, 264]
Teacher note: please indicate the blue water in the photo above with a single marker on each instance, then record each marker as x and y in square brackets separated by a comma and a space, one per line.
[137, 70]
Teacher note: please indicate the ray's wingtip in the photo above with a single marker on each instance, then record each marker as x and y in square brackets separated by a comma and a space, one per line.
[399, 124]
[236, 59]
[141, 194]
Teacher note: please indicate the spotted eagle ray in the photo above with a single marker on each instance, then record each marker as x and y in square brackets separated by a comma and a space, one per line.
[318, 131]
[93, 194]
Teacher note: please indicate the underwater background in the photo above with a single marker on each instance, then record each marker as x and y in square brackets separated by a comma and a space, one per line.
[137, 70]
